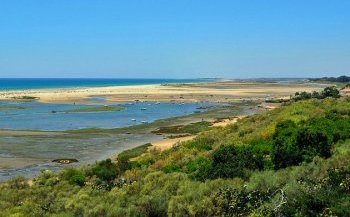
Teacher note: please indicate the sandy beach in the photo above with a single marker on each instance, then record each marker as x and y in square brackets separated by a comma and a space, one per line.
[223, 91]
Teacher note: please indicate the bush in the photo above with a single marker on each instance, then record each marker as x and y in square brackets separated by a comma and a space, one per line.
[171, 168]
[78, 179]
[74, 176]
[18, 182]
[199, 144]
[105, 170]
[311, 143]
[238, 202]
[293, 144]
[229, 162]
[140, 163]
[199, 168]
[330, 92]
[124, 157]
[285, 152]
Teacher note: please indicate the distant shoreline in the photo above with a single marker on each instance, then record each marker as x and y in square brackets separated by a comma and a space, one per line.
[222, 91]
[30, 84]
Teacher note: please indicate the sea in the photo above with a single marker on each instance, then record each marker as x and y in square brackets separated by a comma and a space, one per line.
[52, 83]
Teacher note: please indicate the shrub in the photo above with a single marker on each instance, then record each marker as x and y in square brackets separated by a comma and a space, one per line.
[105, 170]
[74, 176]
[311, 143]
[199, 168]
[171, 168]
[140, 163]
[330, 92]
[200, 144]
[238, 202]
[285, 152]
[293, 144]
[78, 179]
[18, 183]
[195, 164]
[124, 157]
[230, 161]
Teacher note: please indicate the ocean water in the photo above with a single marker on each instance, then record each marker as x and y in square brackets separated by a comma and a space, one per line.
[44, 83]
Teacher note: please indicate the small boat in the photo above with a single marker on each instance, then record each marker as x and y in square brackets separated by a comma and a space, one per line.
[133, 119]
[143, 109]
[157, 103]
[143, 122]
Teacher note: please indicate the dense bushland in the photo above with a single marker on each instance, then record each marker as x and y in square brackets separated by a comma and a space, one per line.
[341, 79]
[291, 161]
[327, 92]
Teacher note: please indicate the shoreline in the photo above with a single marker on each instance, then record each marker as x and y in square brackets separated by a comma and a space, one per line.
[209, 91]
[167, 143]
[243, 97]
[115, 147]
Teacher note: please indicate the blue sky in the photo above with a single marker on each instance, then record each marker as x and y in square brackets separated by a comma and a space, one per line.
[174, 39]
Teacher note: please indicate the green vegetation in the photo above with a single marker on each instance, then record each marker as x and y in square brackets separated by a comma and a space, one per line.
[74, 176]
[346, 86]
[340, 79]
[290, 161]
[105, 170]
[25, 97]
[96, 109]
[277, 100]
[192, 128]
[135, 152]
[327, 92]
[125, 158]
